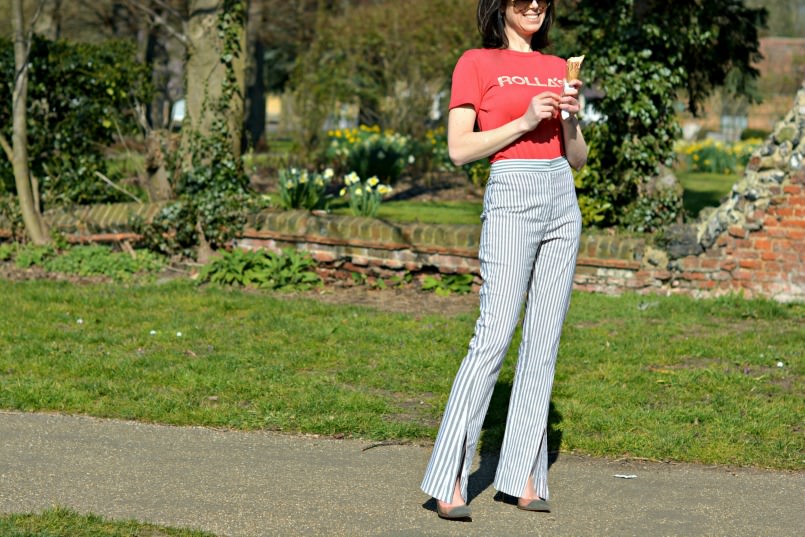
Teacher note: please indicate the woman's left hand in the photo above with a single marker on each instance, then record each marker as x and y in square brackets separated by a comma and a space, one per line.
[569, 100]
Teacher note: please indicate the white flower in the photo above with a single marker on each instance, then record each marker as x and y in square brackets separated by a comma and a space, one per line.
[384, 189]
[373, 181]
[328, 173]
[351, 179]
[178, 334]
[80, 320]
[153, 332]
[411, 159]
[303, 178]
[288, 184]
[358, 192]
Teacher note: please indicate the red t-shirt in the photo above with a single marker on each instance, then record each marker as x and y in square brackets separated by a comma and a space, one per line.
[499, 84]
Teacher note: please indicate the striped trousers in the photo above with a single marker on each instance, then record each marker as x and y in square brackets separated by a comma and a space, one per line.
[528, 247]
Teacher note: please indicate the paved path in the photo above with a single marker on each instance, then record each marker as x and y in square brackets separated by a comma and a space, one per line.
[262, 484]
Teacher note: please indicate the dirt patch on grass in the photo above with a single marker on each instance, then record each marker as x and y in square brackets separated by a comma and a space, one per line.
[407, 300]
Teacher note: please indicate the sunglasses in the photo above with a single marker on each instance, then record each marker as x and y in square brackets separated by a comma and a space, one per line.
[523, 5]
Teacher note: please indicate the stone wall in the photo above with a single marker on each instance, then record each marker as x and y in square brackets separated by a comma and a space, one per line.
[754, 243]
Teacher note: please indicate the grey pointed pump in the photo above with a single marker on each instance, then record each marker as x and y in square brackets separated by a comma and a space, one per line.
[459, 512]
[535, 505]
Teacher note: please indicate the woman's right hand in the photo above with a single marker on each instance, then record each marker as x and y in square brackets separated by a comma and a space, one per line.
[542, 106]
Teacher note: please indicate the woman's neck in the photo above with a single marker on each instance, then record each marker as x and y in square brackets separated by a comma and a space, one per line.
[518, 42]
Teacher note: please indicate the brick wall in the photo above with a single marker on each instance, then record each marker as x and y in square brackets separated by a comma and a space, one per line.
[754, 243]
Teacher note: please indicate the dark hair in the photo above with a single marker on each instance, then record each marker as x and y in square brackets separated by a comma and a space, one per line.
[490, 25]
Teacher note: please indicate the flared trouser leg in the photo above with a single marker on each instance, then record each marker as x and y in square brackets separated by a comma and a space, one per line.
[519, 212]
[525, 443]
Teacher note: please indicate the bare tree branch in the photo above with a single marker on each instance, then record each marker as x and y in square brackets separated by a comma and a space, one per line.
[110, 183]
[159, 20]
[6, 148]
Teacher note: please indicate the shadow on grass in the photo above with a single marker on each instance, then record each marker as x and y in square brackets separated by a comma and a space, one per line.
[696, 200]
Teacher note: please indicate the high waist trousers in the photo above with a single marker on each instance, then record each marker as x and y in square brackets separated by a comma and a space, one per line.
[529, 242]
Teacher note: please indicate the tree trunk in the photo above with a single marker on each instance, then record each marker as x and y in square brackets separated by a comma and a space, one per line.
[206, 74]
[255, 127]
[34, 225]
[157, 141]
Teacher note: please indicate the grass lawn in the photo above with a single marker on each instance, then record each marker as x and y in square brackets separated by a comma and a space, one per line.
[656, 377]
[66, 523]
[704, 189]
[431, 212]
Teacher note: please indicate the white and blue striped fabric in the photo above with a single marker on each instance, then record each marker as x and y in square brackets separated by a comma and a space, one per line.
[528, 248]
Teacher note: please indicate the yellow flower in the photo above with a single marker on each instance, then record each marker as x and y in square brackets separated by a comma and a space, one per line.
[343, 192]
[289, 184]
[358, 192]
[384, 189]
[373, 181]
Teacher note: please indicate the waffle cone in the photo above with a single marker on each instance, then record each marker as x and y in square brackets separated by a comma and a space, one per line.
[574, 67]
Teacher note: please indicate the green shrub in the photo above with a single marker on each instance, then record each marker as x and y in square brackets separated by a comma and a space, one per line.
[98, 260]
[290, 270]
[301, 190]
[80, 96]
[370, 151]
[33, 255]
[447, 284]
[364, 196]
[752, 134]
[84, 260]
[710, 156]
[6, 251]
[652, 212]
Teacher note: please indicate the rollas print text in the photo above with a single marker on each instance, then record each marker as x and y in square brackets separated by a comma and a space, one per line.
[530, 81]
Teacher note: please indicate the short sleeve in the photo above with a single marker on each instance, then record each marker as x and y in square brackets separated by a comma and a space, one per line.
[466, 85]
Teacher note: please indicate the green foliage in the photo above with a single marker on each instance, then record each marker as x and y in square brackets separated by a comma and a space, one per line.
[752, 134]
[364, 196]
[32, 255]
[709, 156]
[290, 270]
[369, 151]
[300, 190]
[80, 96]
[390, 59]
[97, 260]
[6, 251]
[447, 284]
[654, 211]
[91, 260]
[640, 67]
[10, 215]
[478, 172]
[211, 186]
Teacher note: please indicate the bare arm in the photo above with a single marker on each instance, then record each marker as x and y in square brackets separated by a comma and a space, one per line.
[575, 146]
[465, 145]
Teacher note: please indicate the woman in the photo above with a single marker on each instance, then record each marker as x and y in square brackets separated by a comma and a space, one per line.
[531, 227]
